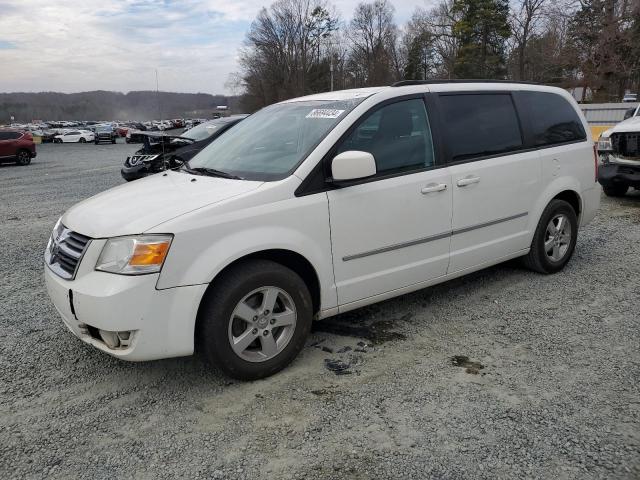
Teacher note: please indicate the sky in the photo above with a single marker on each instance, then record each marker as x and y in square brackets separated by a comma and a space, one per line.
[83, 45]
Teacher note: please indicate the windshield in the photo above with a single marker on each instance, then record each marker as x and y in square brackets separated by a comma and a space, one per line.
[202, 131]
[103, 128]
[271, 143]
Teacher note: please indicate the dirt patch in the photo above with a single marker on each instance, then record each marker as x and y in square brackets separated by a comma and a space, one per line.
[338, 367]
[377, 332]
[469, 365]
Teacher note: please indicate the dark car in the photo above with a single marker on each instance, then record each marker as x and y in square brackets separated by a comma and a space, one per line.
[105, 133]
[161, 151]
[136, 136]
[16, 146]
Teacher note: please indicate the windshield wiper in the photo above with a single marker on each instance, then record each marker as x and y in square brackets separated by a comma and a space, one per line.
[212, 172]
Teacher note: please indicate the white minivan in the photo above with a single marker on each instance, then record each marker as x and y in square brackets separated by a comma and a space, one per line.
[318, 205]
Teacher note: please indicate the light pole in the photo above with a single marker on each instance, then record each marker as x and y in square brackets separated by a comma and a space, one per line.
[330, 49]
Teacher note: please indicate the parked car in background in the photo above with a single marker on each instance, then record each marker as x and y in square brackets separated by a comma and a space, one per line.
[319, 205]
[630, 97]
[16, 146]
[106, 134]
[619, 152]
[135, 136]
[48, 136]
[162, 151]
[75, 136]
[122, 131]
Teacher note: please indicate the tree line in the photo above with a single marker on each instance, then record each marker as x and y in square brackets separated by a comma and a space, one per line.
[298, 47]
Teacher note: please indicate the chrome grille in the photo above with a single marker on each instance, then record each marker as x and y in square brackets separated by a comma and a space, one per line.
[64, 252]
[626, 144]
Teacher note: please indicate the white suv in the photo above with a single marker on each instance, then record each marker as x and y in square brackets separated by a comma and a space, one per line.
[319, 205]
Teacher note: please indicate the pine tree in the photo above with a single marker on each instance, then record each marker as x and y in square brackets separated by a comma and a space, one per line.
[481, 34]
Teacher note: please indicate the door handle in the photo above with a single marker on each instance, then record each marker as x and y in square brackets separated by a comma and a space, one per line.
[463, 182]
[433, 187]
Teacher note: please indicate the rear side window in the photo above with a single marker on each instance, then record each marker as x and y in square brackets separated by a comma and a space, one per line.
[553, 119]
[480, 125]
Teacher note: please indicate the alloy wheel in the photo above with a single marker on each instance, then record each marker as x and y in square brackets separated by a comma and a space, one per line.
[23, 158]
[557, 238]
[262, 324]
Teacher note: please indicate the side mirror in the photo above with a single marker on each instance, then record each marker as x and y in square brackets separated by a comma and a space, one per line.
[352, 165]
[629, 113]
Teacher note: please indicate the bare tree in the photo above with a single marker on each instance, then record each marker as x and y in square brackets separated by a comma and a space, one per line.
[284, 50]
[374, 35]
[525, 21]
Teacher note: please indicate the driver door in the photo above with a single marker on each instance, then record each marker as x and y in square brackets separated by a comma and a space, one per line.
[392, 230]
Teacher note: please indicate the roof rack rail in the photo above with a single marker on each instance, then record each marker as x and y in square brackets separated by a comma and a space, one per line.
[404, 83]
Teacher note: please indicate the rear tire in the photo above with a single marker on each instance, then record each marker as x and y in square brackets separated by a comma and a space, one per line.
[554, 240]
[615, 190]
[238, 329]
[23, 157]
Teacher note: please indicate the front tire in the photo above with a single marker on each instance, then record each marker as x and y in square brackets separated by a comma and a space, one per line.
[254, 320]
[82, 140]
[23, 158]
[615, 190]
[555, 238]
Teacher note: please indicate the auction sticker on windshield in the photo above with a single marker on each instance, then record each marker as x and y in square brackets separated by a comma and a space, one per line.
[324, 113]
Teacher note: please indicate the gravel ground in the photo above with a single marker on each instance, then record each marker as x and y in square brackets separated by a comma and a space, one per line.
[501, 374]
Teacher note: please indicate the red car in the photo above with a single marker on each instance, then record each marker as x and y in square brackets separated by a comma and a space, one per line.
[16, 146]
[122, 131]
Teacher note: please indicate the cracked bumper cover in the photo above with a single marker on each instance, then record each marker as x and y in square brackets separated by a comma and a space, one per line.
[162, 321]
[621, 174]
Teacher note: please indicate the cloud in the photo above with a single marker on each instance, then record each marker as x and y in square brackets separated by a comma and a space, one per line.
[78, 45]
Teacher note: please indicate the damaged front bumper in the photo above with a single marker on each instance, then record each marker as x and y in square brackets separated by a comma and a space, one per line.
[619, 171]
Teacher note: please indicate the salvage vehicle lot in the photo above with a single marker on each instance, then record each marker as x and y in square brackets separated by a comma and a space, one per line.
[549, 387]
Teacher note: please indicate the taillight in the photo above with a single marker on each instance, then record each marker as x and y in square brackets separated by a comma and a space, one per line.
[595, 161]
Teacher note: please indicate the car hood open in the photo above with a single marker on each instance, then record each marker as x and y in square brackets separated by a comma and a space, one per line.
[136, 207]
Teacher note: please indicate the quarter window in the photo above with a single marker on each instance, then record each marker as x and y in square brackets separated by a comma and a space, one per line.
[553, 119]
[480, 125]
[397, 135]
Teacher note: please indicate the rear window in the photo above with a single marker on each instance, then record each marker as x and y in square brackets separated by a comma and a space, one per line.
[480, 125]
[553, 119]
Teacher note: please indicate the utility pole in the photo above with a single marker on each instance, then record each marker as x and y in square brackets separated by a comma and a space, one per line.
[331, 69]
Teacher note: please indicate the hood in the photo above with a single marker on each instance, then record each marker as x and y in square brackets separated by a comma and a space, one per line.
[629, 125]
[161, 143]
[136, 207]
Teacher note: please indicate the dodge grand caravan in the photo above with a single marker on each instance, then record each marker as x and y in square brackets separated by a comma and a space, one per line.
[319, 205]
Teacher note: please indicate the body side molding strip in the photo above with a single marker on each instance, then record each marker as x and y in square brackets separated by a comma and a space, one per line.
[431, 238]
[488, 224]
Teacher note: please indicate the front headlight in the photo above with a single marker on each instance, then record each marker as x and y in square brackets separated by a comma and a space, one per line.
[134, 255]
[55, 233]
[604, 144]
